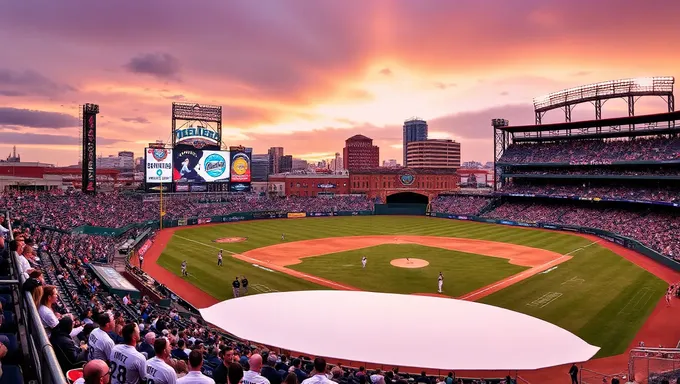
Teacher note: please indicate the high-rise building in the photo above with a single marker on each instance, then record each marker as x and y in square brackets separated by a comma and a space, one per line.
[285, 163]
[275, 154]
[337, 164]
[125, 161]
[260, 166]
[415, 129]
[440, 154]
[391, 163]
[300, 164]
[360, 153]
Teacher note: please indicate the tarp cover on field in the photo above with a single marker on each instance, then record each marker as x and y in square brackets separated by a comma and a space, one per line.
[114, 281]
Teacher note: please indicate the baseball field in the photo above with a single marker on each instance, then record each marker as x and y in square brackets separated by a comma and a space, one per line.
[572, 281]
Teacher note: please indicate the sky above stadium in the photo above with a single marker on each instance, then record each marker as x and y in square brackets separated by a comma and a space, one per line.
[306, 74]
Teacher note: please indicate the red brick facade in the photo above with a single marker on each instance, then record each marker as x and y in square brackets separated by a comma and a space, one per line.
[384, 182]
[360, 153]
[311, 185]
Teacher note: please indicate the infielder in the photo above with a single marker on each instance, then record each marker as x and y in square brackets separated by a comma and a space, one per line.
[184, 268]
[244, 284]
[363, 261]
[440, 282]
[283, 237]
[219, 258]
[669, 292]
[236, 287]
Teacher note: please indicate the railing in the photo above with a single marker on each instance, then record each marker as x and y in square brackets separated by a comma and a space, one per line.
[36, 344]
[653, 364]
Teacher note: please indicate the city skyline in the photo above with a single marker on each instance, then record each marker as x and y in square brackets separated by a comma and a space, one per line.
[309, 83]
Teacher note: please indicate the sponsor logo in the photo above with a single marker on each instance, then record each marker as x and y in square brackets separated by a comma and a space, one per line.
[196, 135]
[325, 186]
[159, 154]
[231, 240]
[215, 165]
[239, 187]
[240, 166]
[407, 179]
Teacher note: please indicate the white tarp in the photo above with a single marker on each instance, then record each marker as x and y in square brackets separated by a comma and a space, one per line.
[399, 330]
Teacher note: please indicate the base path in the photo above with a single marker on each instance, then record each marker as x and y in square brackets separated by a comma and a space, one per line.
[282, 255]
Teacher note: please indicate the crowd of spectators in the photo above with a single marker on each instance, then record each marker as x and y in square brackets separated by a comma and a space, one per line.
[67, 210]
[460, 204]
[666, 194]
[659, 230]
[593, 151]
[597, 171]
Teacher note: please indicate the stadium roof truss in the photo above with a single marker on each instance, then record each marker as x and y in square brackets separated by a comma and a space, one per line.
[201, 114]
[597, 94]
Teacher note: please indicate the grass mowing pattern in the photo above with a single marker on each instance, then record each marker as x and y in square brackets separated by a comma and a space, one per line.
[605, 309]
[463, 272]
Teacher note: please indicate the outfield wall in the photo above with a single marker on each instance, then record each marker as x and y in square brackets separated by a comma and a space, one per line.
[609, 236]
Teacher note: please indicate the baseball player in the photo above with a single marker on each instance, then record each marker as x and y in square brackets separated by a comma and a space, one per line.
[184, 268]
[363, 261]
[244, 284]
[668, 296]
[440, 282]
[128, 365]
[408, 260]
[283, 237]
[236, 287]
[219, 258]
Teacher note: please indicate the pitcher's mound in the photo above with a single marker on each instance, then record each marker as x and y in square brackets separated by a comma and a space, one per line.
[411, 263]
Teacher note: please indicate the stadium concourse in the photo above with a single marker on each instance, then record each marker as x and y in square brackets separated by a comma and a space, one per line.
[38, 230]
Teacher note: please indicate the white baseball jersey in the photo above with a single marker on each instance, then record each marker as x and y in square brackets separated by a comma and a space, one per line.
[159, 372]
[195, 377]
[127, 365]
[250, 377]
[99, 345]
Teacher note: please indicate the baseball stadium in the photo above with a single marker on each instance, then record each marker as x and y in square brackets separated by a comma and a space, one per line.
[565, 263]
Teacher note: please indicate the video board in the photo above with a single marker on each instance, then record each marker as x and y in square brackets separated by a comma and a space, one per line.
[158, 165]
[240, 167]
[200, 166]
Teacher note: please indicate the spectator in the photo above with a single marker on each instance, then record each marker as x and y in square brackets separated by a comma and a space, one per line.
[319, 373]
[252, 376]
[68, 353]
[269, 371]
[99, 343]
[235, 373]
[195, 376]
[157, 369]
[147, 346]
[221, 373]
[131, 364]
[95, 372]
[291, 378]
[179, 353]
[47, 316]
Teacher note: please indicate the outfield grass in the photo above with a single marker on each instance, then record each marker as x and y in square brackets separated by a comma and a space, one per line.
[605, 301]
[463, 272]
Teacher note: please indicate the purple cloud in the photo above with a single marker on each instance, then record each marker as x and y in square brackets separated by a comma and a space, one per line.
[160, 65]
[40, 139]
[15, 83]
[140, 120]
[14, 117]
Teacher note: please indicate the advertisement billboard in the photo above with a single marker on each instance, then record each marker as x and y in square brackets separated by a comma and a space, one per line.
[158, 165]
[240, 167]
[199, 166]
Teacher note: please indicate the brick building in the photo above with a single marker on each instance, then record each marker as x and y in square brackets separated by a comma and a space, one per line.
[305, 185]
[433, 153]
[384, 182]
[360, 153]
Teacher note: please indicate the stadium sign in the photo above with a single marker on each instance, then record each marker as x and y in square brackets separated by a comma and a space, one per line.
[197, 136]
[407, 179]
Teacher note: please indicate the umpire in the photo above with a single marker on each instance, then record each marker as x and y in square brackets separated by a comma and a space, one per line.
[236, 287]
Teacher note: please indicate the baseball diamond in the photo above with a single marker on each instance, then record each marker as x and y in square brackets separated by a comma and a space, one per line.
[493, 264]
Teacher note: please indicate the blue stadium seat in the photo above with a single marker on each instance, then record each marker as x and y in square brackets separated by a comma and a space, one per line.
[11, 374]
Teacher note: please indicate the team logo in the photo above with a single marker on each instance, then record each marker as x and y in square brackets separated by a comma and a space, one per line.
[198, 144]
[407, 179]
[159, 172]
[240, 166]
[159, 154]
[215, 165]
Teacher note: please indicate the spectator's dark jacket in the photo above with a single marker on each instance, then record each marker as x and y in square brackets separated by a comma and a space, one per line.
[68, 353]
[220, 374]
[148, 348]
[179, 354]
[301, 375]
[282, 366]
[271, 374]
[117, 339]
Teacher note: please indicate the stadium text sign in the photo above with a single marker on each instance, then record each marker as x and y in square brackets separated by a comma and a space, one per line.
[158, 165]
[195, 135]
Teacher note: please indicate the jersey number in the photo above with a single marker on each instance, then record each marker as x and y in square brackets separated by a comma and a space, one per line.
[121, 374]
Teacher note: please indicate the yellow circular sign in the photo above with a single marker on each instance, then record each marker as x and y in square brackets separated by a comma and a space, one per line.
[240, 166]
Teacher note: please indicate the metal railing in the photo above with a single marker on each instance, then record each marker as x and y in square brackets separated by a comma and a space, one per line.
[36, 344]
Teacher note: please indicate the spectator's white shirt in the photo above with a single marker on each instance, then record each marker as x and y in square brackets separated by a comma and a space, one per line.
[99, 345]
[3, 230]
[125, 300]
[377, 379]
[195, 377]
[187, 351]
[252, 377]
[127, 365]
[316, 379]
[159, 372]
[48, 318]
[24, 265]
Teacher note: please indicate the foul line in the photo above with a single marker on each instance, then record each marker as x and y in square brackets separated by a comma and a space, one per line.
[281, 269]
[582, 248]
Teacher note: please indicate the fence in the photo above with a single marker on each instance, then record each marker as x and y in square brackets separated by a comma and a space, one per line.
[42, 362]
[652, 365]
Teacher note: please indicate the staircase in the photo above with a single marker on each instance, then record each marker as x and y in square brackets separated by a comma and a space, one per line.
[119, 262]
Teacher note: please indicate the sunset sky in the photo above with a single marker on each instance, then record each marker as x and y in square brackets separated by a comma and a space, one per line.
[307, 74]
